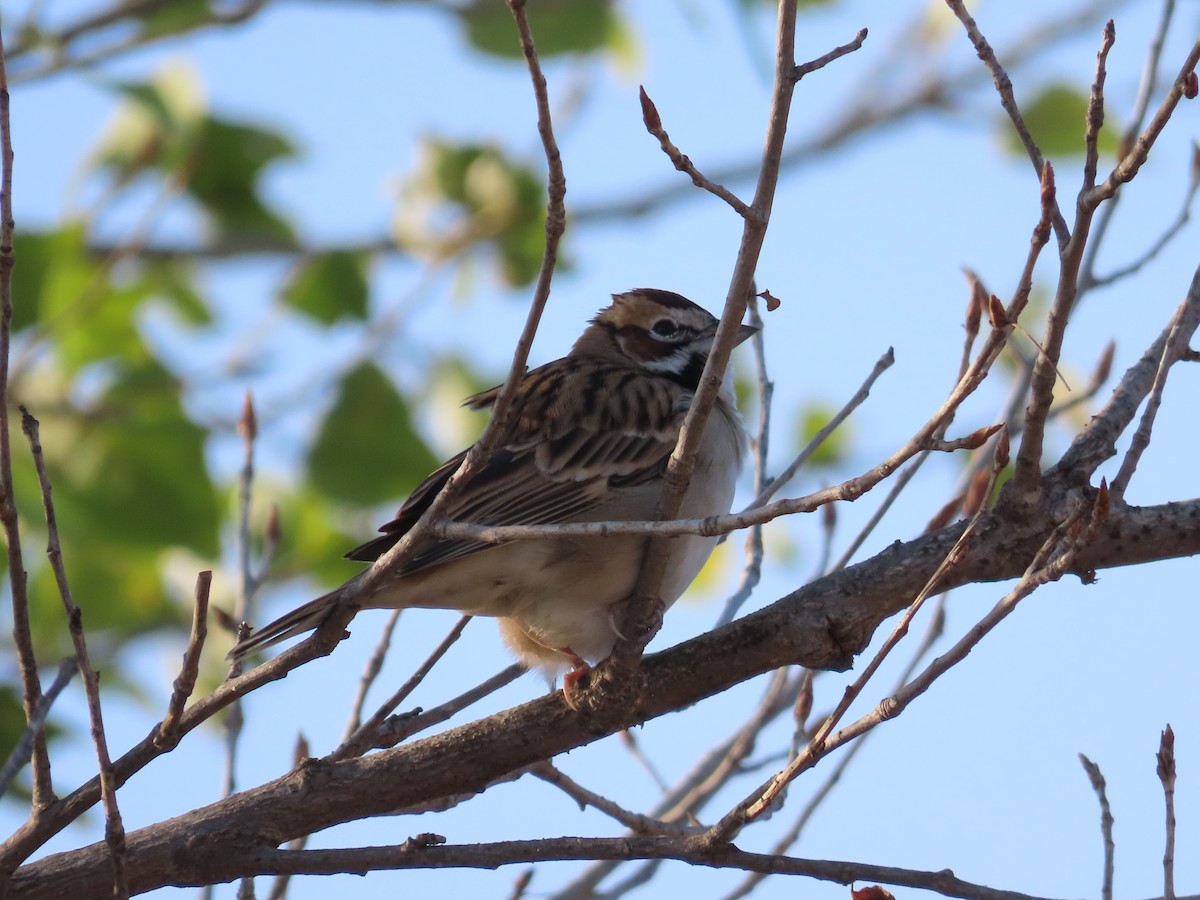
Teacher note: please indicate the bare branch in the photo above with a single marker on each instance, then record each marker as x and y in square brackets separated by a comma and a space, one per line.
[1009, 101]
[761, 445]
[1166, 774]
[1106, 824]
[1179, 332]
[361, 739]
[21, 752]
[1095, 113]
[186, 682]
[370, 672]
[400, 728]
[636, 823]
[31, 685]
[885, 362]
[681, 162]
[836, 53]
[114, 830]
[688, 849]
[1128, 167]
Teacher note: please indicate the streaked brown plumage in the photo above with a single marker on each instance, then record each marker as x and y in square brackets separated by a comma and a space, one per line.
[590, 440]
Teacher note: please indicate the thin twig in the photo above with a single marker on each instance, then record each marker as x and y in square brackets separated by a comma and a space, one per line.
[235, 719]
[630, 741]
[752, 570]
[400, 728]
[361, 738]
[817, 745]
[885, 362]
[936, 626]
[1095, 113]
[1166, 774]
[21, 752]
[1008, 100]
[639, 612]
[681, 162]
[825, 59]
[31, 685]
[1178, 336]
[687, 849]
[1096, 777]
[635, 822]
[114, 830]
[1141, 105]
[185, 683]
[370, 672]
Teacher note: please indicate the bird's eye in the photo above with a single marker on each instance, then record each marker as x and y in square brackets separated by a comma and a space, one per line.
[665, 328]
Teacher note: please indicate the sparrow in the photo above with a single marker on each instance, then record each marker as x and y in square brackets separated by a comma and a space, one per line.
[590, 438]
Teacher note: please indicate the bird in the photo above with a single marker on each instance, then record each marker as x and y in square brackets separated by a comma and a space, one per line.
[589, 441]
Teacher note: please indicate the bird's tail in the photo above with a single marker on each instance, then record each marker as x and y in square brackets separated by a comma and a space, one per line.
[299, 620]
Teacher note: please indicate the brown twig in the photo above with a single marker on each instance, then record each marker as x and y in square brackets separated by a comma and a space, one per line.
[936, 626]
[397, 729]
[1008, 100]
[114, 830]
[370, 672]
[364, 735]
[639, 611]
[31, 685]
[1179, 334]
[635, 822]
[885, 362]
[760, 446]
[681, 162]
[1166, 774]
[24, 747]
[688, 849]
[1141, 105]
[1095, 113]
[185, 683]
[764, 799]
[1128, 167]
[1096, 777]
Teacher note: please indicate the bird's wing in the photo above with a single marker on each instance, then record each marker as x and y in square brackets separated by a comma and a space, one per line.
[562, 461]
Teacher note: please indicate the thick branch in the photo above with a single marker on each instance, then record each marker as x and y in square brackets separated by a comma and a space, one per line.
[821, 625]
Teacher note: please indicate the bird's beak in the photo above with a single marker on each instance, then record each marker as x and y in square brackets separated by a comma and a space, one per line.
[744, 331]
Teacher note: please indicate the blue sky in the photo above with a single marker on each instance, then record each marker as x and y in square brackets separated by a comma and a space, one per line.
[866, 250]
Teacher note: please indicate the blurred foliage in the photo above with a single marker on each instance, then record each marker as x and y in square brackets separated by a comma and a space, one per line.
[465, 198]
[367, 449]
[563, 26]
[810, 419]
[1056, 117]
[330, 287]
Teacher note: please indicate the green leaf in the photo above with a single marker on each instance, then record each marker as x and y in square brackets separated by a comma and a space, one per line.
[175, 17]
[559, 26]
[37, 256]
[367, 450]
[813, 417]
[169, 280]
[463, 199]
[135, 472]
[228, 159]
[330, 286]
[1056, 119]
[312, 540]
